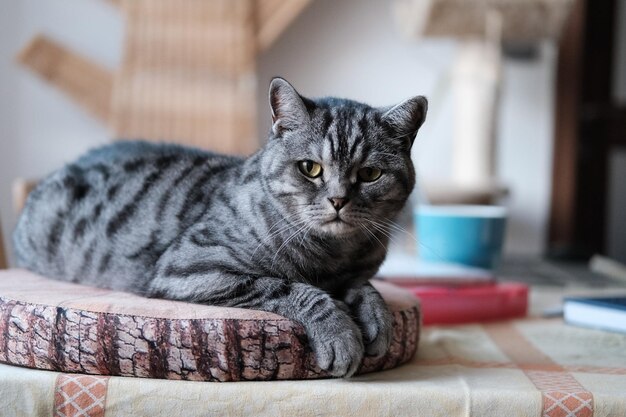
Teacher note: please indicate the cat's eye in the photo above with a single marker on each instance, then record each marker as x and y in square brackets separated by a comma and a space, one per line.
[310, 169]
[369, 174]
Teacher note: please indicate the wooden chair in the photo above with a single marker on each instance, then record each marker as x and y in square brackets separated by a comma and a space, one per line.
[21, 189]
[3, 256]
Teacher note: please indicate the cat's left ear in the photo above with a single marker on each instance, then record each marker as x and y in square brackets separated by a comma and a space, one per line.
[407, 117]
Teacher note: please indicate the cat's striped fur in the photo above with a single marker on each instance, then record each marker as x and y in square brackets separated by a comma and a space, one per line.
[178, 223]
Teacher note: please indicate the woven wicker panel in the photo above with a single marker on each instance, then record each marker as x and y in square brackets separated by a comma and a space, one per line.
[54, 325]
[188, 74]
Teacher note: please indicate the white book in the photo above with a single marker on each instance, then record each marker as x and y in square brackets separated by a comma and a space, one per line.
[403, 269]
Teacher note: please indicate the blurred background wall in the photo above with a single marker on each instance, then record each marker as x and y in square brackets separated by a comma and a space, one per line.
[346, 48]
[40, 128]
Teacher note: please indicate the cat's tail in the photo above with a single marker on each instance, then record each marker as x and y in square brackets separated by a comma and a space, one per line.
[25, 245]
[37, 233]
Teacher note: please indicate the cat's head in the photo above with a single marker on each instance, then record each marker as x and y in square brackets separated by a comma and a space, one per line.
[336, 166]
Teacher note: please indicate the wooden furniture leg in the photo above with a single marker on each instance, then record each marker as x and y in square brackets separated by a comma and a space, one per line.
[21, 189]
[3, 256]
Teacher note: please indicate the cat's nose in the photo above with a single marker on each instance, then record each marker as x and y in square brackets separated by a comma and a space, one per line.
[338, 202]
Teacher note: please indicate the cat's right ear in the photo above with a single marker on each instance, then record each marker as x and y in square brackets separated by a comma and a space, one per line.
[288, 109]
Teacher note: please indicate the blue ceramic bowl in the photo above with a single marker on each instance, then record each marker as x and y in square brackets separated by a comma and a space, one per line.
[470, 235]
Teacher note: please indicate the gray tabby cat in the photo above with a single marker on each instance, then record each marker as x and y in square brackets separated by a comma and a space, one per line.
[296, 229]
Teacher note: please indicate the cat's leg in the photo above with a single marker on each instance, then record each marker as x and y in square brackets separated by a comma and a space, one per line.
[373, 316]
[198, 277]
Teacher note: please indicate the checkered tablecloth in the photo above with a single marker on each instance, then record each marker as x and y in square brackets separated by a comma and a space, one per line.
[529, 368]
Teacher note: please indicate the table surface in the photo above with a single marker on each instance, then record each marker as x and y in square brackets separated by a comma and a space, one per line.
[531, 367]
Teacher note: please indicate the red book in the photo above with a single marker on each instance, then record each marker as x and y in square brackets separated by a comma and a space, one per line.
[455, 305]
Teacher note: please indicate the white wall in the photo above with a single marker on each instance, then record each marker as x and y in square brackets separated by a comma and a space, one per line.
[346, 48]
[40, 129]
[350, 48]
[525, 148]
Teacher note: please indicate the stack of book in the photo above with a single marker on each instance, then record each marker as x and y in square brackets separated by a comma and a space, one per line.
[454, 294]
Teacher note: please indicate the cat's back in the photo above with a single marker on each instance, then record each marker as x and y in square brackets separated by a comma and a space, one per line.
[114, 209]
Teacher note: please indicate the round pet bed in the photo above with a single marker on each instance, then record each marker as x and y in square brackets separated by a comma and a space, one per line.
[59, 326]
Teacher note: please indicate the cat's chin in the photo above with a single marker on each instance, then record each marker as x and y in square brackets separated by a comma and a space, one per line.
[337, 228]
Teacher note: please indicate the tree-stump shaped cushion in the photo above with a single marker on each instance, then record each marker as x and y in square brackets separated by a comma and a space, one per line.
[59, 326]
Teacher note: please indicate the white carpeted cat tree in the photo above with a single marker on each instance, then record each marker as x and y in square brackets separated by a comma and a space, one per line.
[482, 27]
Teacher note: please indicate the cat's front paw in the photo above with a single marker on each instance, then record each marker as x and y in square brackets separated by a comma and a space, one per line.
[372, 314]
[339, 348]
[377, 326]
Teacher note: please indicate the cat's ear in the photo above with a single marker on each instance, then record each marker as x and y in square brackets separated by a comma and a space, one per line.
[288, 109]
[407, 117]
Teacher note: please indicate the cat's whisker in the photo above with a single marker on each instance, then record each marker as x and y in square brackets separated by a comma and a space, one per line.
[381, 229]
[301, 243]
[394, 227]
[270, 236]
[280, 224]
[367, 234]
[280, 230]
[385, 232]
[282, 220]
[306, 233]
[286, 242]
[390, 233]
[390, 224]
[373, 235]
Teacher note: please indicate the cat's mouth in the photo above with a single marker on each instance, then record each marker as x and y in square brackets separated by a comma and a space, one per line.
[337, 226]
[336, 220]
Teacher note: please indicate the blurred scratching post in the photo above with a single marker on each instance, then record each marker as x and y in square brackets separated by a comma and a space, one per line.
[522, 20]
[481, 27]
[188, 73]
